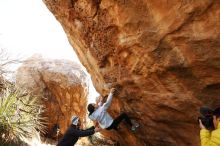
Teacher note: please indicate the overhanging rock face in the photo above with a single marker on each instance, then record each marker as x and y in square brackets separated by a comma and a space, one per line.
[164, 54]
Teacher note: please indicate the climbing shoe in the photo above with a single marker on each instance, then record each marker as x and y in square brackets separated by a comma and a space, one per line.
[134, 126]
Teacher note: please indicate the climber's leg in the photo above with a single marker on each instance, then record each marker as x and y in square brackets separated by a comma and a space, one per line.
[118, 120]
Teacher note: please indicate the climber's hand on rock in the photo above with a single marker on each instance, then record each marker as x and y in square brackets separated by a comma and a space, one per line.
[113, 90]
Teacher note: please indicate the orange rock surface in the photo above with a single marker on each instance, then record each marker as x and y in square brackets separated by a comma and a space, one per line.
[165, 54]
[61, 84]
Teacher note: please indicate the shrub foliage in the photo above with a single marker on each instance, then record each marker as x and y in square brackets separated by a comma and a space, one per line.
[20, 114]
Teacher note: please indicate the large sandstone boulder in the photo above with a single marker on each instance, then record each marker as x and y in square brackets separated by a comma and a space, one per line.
[61, 84]
[165, 54]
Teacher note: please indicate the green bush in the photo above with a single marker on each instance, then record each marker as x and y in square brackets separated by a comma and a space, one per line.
[20, 114]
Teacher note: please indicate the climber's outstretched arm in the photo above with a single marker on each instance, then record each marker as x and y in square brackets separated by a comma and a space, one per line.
[109, 99]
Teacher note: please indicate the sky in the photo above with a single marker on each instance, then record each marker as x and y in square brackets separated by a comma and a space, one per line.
[27, 27]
